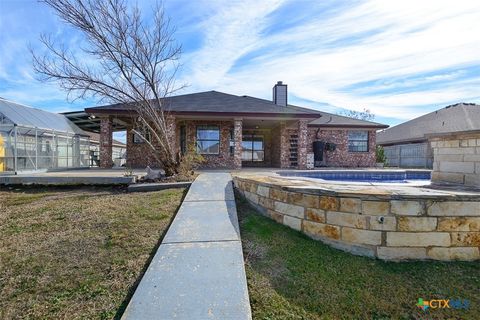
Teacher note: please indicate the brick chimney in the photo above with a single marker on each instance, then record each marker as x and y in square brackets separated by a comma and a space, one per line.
[280, 94]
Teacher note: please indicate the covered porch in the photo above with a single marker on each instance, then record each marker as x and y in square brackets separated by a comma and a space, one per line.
[224, 141]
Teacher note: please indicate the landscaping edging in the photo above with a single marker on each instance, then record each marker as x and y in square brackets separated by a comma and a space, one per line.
[389, 227]
[145, 187]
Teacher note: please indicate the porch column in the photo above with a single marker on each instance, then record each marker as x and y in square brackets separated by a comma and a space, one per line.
[284, 145]
[172, 133]
[302, 144]
[106, 142]
[237, 133]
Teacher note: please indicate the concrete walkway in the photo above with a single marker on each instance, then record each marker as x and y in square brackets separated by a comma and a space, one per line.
[198, 270]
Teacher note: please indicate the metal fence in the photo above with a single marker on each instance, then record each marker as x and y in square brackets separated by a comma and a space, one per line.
[415, 155]
[24, 149]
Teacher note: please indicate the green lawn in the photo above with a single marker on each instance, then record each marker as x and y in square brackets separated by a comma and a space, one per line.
[293, 277]
[77, 254]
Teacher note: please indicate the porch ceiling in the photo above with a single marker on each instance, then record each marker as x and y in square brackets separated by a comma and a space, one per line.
[91, 123]
[248, 122]
[265, 123]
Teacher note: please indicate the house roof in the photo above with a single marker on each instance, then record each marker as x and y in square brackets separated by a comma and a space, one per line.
[218, 103]
[95, 138]
[459, 117]
[21, 115]
[335, 120]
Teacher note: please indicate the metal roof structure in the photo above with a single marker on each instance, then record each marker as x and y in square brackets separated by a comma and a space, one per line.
[460, 117]
[20, 115]
[91, 123]
[95, 139]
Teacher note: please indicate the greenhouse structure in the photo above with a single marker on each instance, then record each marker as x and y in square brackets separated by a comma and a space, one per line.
[37, 140]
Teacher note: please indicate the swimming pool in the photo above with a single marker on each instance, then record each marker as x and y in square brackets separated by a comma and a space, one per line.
[383, 176]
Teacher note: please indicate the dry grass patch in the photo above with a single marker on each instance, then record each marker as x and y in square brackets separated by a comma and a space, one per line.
[78, 253]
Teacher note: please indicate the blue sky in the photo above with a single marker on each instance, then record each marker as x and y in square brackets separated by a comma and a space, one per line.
[400, 59]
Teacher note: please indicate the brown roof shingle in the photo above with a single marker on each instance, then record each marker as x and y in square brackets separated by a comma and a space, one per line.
[459, 117]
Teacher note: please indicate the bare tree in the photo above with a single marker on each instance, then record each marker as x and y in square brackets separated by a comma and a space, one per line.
[133, 61]
[362, 115]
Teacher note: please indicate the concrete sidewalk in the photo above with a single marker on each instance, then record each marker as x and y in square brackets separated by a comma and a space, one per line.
[198, 270]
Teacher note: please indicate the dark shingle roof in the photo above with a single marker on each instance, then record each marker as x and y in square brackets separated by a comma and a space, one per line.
[459, 117]
[335, 120]
[218, 102]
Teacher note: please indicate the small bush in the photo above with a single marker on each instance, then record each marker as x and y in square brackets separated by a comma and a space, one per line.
[190, 161]
[380, 155]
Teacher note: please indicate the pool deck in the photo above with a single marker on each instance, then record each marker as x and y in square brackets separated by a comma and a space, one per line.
[419, 189]
[116, 176]
[92, 176]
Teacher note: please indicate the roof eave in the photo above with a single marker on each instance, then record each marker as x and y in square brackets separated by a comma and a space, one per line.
[208, 113]
[366, 126]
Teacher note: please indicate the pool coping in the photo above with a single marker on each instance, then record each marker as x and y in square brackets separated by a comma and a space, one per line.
[383, 192]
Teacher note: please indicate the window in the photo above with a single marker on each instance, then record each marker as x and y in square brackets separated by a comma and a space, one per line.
[137, 139]
[208, 140]
[183, 139]
[252, 148]
[358, 141]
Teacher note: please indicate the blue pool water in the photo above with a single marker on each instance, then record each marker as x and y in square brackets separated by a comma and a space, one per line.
[362, 176]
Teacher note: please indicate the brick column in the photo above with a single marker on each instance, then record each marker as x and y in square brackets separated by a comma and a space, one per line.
[284, 146]
[237, 134]
[302, 144]
[172, 133]
[130, 147]
[106, 142]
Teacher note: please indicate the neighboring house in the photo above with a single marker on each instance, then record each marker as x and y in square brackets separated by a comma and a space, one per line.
[406, 145]
[119, 150]
[241, 131]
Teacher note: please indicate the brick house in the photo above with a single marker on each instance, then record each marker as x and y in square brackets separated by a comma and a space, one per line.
[241, 131]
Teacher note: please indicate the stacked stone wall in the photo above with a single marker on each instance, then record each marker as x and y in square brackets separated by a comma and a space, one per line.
[456, 159]
[389, 228]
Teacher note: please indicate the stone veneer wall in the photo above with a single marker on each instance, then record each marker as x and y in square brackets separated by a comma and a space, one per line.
[222, 160]
[412, 228]
[277, 146]
[277, 139]
[341, 157]
[456, 159]
[106, 142]
[140, 154]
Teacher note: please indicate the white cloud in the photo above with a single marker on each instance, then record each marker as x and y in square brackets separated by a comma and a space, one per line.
[411, 54]
[229, 32]
[407, 39]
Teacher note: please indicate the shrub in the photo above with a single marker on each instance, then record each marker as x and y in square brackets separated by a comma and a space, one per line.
[380, 155]
[190, 161]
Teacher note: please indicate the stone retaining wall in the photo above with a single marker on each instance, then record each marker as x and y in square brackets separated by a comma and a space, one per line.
[387, 227]
[456, 159]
